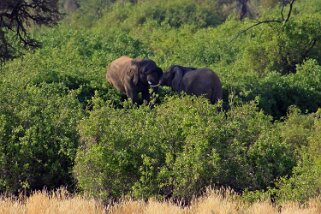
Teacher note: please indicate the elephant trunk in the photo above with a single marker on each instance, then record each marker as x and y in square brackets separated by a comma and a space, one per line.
[166, 79]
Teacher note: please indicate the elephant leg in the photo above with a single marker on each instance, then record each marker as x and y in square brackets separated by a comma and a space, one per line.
[146, 95]
[132, 93]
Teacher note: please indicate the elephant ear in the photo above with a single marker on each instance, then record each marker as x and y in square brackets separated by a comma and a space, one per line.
[141, 67]
[178, 75]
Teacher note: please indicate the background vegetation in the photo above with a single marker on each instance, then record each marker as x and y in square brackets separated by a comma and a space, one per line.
[61, 124]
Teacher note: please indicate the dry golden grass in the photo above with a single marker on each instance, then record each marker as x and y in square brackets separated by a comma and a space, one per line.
[55, 203]
[217, 202]
[152, 206]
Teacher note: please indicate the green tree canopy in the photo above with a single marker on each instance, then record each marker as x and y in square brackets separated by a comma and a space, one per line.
[16, 16]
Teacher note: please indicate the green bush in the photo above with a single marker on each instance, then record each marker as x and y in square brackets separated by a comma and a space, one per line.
[178, 149]
[301, 134]
[301, 89]
[38, 137]
[276, 92]
[173, 13]
[305, 182]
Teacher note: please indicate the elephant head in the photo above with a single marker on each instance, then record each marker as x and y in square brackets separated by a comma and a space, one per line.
[132, 76]
[194, 81]
[174, 75]
[149, 72]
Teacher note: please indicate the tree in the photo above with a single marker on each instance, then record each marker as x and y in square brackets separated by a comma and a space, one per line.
[283, 20]
[16, 16]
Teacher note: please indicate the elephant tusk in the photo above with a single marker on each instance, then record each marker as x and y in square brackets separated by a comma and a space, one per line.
[154, 86]
[151, 85]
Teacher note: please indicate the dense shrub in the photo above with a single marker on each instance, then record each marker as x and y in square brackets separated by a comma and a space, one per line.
[38, 137]
[306, 179]
[276, 92]
[302, 135]
[174, 13]
[178, 149]
[301, 89]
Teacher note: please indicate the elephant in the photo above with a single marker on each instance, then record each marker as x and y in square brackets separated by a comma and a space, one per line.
[133, 75]
[193, 81]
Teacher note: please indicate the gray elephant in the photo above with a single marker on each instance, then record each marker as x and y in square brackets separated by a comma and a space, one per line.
[194, 81]
[131, 76]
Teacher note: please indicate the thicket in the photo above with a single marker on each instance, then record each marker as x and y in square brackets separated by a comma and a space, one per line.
[62, 124]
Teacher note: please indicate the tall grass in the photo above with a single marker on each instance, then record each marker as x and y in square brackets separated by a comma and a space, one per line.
[217, 202]
[42, 202]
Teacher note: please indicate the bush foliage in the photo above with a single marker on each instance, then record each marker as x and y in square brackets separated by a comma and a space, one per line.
[62, 124]
[179, 148]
